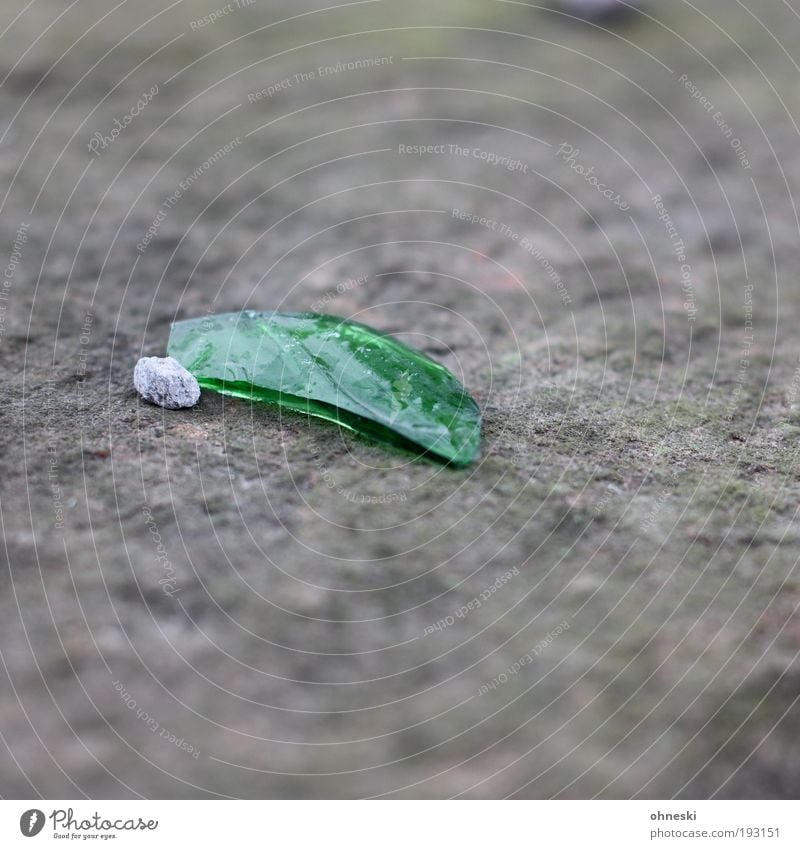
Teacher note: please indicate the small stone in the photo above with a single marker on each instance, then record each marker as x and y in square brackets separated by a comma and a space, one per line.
[164, 381]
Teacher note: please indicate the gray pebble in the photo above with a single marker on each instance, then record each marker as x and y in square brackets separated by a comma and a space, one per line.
[164, 381]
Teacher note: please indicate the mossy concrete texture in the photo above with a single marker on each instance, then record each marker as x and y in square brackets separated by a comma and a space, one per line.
[235, 601]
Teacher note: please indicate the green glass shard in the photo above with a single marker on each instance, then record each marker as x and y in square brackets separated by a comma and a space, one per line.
[336, 369]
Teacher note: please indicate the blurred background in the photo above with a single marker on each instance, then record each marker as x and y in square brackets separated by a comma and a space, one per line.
[590, 220]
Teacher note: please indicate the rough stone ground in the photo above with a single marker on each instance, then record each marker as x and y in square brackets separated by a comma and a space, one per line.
[640, 467]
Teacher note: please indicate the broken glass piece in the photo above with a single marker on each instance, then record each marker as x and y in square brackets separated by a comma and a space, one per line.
[336, 369]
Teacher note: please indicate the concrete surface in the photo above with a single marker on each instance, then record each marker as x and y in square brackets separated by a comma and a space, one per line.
[228, 601]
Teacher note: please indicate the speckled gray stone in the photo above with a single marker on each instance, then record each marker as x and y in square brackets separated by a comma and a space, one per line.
[164, 381]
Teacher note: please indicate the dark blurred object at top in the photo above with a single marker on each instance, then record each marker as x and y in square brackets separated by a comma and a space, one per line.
[605, 11]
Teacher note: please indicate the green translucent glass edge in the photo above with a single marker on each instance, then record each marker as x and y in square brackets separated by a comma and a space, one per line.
[465, 453]
[350, 421]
